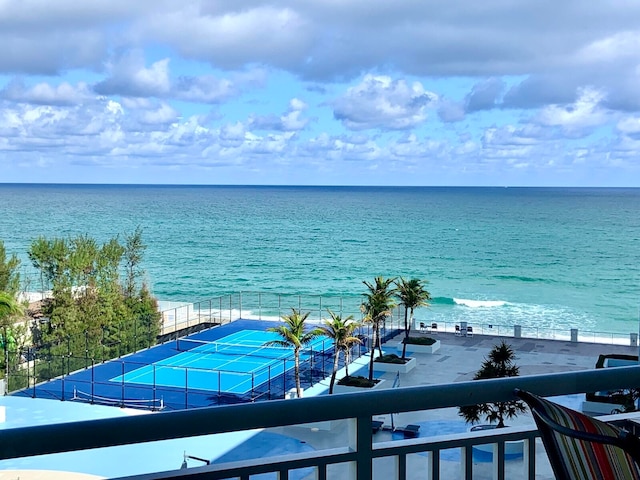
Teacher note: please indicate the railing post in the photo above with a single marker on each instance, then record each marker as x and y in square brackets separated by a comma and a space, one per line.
[574, 335]
[498, 460]
[529, 458]
[364, 448]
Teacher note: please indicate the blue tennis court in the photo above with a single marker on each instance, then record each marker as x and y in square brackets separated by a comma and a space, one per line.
[225, 364]
[236, 363]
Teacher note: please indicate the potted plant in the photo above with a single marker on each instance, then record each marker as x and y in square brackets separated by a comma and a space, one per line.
[342, 332]
[411, 294]
[376, 308]
[390, 362]
[420, 344]
[293, 334]
[354, 383]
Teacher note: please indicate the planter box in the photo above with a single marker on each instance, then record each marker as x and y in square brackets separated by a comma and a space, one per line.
[395, 367]
[413, 348]
[345, 389]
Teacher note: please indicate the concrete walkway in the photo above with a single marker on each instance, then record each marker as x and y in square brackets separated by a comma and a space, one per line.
[457, 360]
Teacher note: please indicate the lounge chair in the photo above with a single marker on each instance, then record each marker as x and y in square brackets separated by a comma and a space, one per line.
[410, 431]
[434, 328]
[580, 447]
[376, 425]
[469, 331]
[458, 334]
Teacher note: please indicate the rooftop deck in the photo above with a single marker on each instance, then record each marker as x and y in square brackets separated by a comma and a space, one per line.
[455, 362]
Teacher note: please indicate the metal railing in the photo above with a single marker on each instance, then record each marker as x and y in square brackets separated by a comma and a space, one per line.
[358, 456]
[271, 306]
[263, 306]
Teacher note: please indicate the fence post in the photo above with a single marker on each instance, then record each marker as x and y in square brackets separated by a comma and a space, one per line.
[93, 379]
[574, 335]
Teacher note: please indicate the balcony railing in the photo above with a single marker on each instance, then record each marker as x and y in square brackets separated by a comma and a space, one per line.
[357, 456]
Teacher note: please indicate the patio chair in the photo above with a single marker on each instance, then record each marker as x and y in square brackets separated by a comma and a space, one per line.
[457, 332]
[434, 328]
[376, 425]
[423, 327]
[580, 447]
[469, 331]
[410, 431]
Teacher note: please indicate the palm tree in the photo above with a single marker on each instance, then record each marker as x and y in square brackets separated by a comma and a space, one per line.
[9, 308]
[377, 307]
[341, 331]
[412, 295]
[294, 335]
[499, 364]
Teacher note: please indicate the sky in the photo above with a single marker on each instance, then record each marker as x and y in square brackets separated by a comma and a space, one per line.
[321, 92]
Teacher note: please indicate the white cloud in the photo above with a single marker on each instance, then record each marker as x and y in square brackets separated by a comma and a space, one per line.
[206, 89]
[128, 76]
[629, 125]
[47, 94]
[235, 35]
[327, 86]
[290, 121]
[574, 119]
[163, 114]
[621, 45]
[380, 102]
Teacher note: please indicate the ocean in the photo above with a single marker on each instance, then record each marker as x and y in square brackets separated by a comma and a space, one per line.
[548, 258]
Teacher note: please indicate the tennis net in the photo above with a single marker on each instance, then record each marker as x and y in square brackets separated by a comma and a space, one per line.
[267, 351]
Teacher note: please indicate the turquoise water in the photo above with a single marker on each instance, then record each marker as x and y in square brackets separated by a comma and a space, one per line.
[547, 257]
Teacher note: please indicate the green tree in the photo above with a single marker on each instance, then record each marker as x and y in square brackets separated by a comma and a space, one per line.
[92, 314]
[341, 331]
[9, 310]
[412, 294]
[377, 306]
[9, 274]
[293, 334]
[133, 252]
[498, 364]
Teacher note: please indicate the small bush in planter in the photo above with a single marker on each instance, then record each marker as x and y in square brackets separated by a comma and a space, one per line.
[392, 358]
[357, 381]
[419, 340]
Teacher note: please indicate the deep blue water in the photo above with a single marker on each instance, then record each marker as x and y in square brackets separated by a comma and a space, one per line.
[547, 257]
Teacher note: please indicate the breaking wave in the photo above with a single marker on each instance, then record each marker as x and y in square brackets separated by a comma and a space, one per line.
[468, 302]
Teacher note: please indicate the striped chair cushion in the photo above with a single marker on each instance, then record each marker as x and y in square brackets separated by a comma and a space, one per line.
[572, 458]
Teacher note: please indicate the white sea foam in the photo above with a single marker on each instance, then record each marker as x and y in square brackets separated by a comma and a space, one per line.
[479, 303]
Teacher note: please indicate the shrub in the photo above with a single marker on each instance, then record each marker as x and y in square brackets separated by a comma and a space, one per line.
[419, 340]
[392, 358]
[357, 381]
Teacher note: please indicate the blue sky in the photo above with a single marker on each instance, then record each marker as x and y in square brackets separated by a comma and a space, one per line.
[321, 92]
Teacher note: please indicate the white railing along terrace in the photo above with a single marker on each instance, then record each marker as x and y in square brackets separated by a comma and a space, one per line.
[358, 456]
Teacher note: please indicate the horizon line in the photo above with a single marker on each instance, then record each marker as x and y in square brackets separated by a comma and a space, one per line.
[239, 185]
